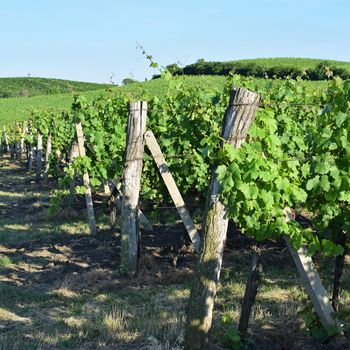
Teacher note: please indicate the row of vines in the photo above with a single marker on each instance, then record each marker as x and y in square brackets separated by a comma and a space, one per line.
[296, 155]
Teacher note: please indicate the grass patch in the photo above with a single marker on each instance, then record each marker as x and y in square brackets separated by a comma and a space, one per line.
[5, 260]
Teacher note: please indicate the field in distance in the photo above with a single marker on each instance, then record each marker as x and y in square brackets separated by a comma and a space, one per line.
[27, 94]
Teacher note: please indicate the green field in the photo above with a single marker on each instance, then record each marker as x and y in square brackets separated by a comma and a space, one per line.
[25, 87]
[293, 61]
[19, 108]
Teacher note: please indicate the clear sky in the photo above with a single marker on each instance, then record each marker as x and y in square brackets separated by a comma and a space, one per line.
[90, 40]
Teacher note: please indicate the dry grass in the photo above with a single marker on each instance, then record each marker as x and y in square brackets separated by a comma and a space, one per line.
[95, 308]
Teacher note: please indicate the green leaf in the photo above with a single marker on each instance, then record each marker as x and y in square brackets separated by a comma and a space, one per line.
[312, 183]
[324, 183]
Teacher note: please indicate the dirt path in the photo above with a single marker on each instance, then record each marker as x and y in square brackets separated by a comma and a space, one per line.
[60, 288]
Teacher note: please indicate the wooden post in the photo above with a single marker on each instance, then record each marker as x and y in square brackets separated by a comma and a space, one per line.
[338, 271]
[30, 157]
[73, 153]
[131, 186]
[7, 144]
[313, 285]
[117, 204]
[252, 286]
[172, 188]
[24, 131]
[86, 181]
[311, 279]
[47, 157]
[39, 156]
[238, 119]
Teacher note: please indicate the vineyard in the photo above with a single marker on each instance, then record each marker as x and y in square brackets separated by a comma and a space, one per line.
[123, 222]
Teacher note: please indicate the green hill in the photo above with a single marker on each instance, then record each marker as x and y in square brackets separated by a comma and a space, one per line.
[19, 108]
[45, 96]
[307, 68]
[17, 87]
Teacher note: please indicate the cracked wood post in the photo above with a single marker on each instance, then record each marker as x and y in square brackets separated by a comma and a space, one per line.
[172, 188]
[86, 181]
[131, 183]
[238, 118]
[47, 157]
[39, 156]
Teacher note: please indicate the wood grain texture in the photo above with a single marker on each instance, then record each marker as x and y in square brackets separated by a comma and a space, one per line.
[238, 118]
[131, 184]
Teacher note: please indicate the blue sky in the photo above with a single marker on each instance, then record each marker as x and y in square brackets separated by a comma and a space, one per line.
[90, 40]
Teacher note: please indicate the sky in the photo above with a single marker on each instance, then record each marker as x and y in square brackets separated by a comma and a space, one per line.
[98, 40]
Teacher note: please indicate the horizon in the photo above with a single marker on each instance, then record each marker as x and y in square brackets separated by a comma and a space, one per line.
[243, 59]
[98, 42]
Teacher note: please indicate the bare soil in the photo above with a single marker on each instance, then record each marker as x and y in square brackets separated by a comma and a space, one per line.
[48, 253]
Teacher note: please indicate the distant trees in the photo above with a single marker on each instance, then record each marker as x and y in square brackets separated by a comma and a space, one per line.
[325, 70]
[127, 81]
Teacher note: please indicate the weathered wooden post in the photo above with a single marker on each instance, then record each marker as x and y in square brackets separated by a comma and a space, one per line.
[311, 279]
[238, 118]
[24, 131]
[47, 157]
[86, 181]
[131, 186]
[7, 144]
[313, 285]
[39, 156]
[251, 290]
[73, 153]
[172, 188]
[30, 157]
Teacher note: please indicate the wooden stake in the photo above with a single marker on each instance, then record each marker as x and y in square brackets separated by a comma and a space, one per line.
[131, 186]
[39, 156]
[86, 181]
[238, 119]
[311, 279]
[118, 202]
[47, 156]
[172, 188]
[313, 285]
[252, 286]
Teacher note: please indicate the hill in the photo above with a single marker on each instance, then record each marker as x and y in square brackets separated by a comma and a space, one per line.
[24, 87]
[19, 108]
[307, 68]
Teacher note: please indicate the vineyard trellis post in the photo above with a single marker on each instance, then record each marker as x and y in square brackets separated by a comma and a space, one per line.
[313, 285]
[86, 181]
[47, 157]
[116, 201]
[39, 156]
[131, 183]
[7, 145]
[238, 118]
[173, 189]
[251, 290]
[311, 279]
[24, 131]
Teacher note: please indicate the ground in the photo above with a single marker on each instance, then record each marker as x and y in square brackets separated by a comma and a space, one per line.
[61, 288]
